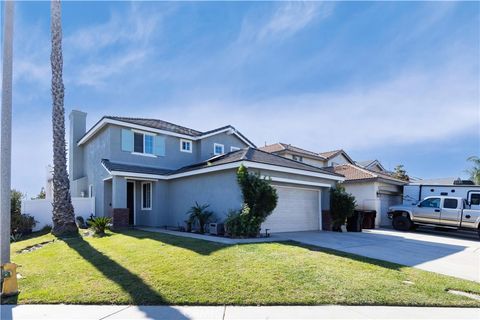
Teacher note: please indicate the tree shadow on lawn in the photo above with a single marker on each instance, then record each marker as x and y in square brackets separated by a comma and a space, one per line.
[199, 246]
[139, 292]
[204, 247]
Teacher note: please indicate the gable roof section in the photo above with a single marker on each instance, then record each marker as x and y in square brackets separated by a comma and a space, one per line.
[369, 163]
[278, 147]
[162, 127]
[355, 173]
[331, 154]
[250, 156]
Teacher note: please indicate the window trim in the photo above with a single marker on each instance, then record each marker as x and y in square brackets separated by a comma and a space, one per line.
[215, 145]
[142, 194]
[297, 158]
[188, 141]
[144, 134]
[90, 191]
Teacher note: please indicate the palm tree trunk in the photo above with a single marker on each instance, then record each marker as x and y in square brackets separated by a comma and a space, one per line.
[63, 215]
[6, 134]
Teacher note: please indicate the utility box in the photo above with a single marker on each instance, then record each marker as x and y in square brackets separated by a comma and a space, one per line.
[217, 229]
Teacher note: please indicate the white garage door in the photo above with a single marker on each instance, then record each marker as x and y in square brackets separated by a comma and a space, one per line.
[386, 201]
[297, 210]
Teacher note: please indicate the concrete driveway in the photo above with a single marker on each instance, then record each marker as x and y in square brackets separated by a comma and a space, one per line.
[450, 256]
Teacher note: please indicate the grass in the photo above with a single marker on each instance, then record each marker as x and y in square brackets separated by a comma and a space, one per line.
[136, 267]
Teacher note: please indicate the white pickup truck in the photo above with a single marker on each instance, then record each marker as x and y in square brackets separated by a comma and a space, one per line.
[448, 212]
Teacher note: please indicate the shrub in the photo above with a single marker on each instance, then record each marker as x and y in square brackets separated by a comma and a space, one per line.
[342, 205]
[80, 222]
[99, 224]
[20, 223]
[259, 201]
[199, 215]
[14, 237]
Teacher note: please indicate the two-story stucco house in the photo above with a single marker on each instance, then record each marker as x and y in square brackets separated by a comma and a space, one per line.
[368, 181]
[158, 170]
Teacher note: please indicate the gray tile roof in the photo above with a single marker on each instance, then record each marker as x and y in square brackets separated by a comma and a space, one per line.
[123, 167]
[247, 154]
[278, 147]
[255, 155]
[158, 124]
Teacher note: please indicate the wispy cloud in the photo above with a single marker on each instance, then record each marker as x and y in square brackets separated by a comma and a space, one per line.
[135, 27]
[292, 17]
[96, 74]
[409, 108]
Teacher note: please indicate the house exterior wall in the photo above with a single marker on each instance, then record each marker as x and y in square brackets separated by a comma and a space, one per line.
[306, 159]
[228, 140]
[173, 159]
[218, 189]
[337, 160]
[365, 194]
[94, 151]
[368, 197]
[158, 215]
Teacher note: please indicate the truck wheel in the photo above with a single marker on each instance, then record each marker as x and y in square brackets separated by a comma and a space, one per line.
[401, 223]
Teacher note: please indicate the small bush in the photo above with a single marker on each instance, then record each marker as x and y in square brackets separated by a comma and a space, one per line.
[199, 215]
[22, 223]
[238, 223]
[342, 205]
[16, 237]
[80, 222]
[99, 225]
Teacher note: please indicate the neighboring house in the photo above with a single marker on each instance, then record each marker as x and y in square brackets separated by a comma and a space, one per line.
[372, 190]
[373, 165]
[295, 153]
[158, 170]
[373, 187]
[336, 157]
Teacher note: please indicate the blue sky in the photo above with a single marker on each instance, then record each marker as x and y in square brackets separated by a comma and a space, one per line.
[395, 81]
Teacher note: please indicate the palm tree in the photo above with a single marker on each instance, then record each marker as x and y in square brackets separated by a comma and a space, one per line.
[475, 170]
[63, 215]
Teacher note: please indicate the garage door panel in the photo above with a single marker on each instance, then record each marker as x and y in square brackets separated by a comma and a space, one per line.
[297, 210]
[386, 201]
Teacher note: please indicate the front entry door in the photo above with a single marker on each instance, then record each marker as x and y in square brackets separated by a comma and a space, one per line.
[131, 202]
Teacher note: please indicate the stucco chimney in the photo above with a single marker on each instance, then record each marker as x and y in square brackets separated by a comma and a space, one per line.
[78, 127]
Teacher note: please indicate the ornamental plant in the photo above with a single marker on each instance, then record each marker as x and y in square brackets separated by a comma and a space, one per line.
[259, 201]
[342, 205]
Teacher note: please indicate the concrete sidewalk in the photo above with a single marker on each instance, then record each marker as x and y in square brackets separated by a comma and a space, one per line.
[89, 312]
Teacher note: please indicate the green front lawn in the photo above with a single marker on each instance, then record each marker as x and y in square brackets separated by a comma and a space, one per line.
[136, 267]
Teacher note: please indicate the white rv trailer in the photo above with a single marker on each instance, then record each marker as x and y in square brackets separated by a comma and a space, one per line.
[415, 192]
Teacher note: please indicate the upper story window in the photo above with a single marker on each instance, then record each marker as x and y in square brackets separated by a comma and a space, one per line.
[185, 145]
[234, 149]
[218, 149]
[143, 143]
[297, 158]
